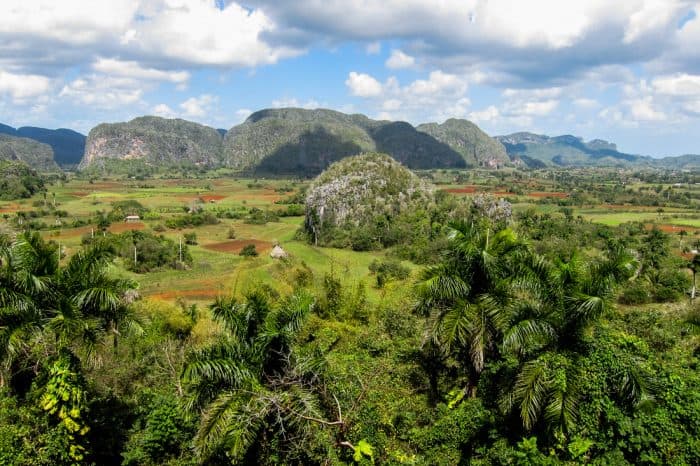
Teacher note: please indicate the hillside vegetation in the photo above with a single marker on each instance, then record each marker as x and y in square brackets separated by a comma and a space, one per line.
[18, 180]
[299, 141]
[156, 141]
[68, 145]
[537, 151]
[34, 154]
[348, 198]
[477, 148]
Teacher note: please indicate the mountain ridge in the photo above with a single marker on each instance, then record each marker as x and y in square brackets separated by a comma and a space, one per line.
[68, 145]
[35, 154]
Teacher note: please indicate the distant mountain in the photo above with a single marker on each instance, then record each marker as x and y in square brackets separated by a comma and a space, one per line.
[300, 141]
[68, 145]
[476, 147]
[37, 155]
[536, 150]
[681, 162]
[155, 141]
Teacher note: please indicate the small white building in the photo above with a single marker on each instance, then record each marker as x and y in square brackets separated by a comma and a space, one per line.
[278, 253]
[132, 218]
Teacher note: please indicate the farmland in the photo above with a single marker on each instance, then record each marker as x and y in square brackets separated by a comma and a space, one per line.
[404, 369]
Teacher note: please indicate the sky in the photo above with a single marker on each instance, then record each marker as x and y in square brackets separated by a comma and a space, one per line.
[627, 71]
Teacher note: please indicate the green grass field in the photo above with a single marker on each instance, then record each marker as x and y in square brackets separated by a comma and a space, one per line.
[217, 272]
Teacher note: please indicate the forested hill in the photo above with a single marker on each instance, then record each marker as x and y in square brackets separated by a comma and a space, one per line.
[294, 140]
[303, 142]
[156, 141]
[35, 154]
[536, 150]
[477, 147]
[68, 146]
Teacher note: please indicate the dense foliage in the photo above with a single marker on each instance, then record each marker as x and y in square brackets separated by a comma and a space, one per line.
[475, 330]
[18, 180]
[35, 154]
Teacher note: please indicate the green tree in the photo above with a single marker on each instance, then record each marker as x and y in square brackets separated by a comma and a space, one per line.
[255, 393]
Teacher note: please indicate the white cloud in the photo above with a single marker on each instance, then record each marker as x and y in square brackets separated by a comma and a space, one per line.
[586, 103]
[133, 69]
[643, 110]
[442, 94]
[197, 107]
[488, 114]
[399, 59]
[23, 86]
[102, 92]
[681, 84]
[163, 110]
[561, 40]
[294, 102]
[363, 85]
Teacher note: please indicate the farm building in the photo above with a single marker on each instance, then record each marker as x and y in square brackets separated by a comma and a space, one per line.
[132, 218]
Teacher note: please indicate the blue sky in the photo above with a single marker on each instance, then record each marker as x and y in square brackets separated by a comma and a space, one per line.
[626, 71]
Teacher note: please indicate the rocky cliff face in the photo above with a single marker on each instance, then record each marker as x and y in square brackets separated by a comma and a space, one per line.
[35, 154]
[357, 189]
[155, 141]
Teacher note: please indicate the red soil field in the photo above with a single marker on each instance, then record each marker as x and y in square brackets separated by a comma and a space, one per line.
[235, 246]
[73, 232]
[79, 193]
[548, 194]
[10, 208]
[464, 190]
[212, 197]
[667, 228]
[124, 226]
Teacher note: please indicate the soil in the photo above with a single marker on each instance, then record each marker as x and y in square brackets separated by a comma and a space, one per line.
[548, 194]
[235, 246]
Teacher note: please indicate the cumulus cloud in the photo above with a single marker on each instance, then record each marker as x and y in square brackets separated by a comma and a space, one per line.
[399, 59]
[523, 41]
[101, 92]
[23, 86]
[442, 94]
[163, 110]
[197, 107]
[132, 69]
[363, 85]
[294, 102]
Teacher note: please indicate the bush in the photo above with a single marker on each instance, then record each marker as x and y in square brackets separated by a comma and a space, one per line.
[191, 238]
[248, 251]
[388, 270]
[635, 293]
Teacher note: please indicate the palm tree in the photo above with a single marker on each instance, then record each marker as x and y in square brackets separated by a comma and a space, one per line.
[26, 269]
[75, 304]
[561, 301]
[249, 386]
[465, 297]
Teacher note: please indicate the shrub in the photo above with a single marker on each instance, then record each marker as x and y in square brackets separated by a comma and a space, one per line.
[248, 251]
[190, 238]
